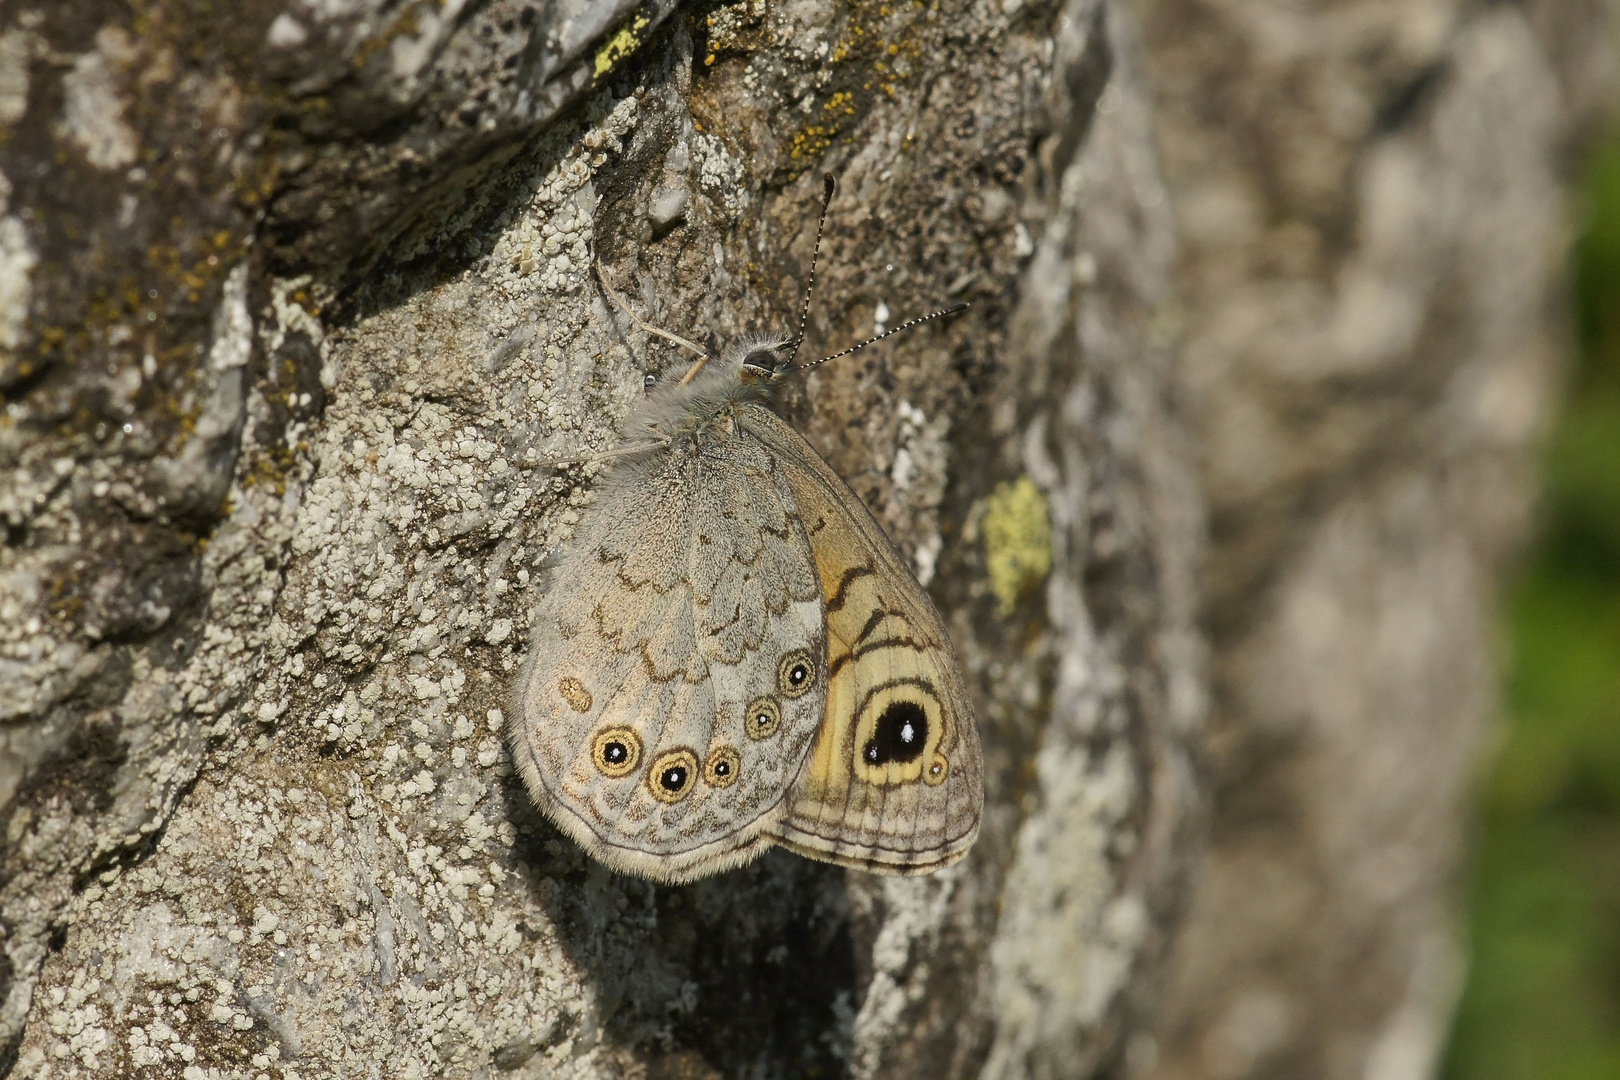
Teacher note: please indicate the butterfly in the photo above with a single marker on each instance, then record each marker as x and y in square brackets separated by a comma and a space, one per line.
[734, 656]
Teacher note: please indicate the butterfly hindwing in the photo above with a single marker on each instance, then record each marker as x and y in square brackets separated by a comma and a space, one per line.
[677, 670]
[893, 782]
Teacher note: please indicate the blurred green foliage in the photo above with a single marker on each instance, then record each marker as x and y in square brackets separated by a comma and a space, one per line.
[1542, 998]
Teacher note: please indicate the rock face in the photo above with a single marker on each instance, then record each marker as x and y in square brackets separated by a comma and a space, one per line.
[294, 300]
[1371, 228]
[297, 298]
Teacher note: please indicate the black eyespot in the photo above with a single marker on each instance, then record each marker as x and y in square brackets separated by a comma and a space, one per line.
[616, 751]
[721, 768]
[795, 673]
[670, 776]
[762, 718]
[899, 736]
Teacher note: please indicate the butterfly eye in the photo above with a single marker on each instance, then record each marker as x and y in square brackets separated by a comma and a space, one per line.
[763, 718]
[762, 361]
[721, 768]
[649, 381]
[795, 673]
[616, 751]
[671, 775]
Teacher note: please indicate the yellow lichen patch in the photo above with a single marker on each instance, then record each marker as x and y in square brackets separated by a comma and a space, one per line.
[738, 30]
[1017, 533]
[271, 466]
[877, 52]
[809, 143]
[842, 100]
[620, 45]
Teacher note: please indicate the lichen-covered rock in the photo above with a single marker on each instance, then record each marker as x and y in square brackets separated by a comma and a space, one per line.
[311, 301]
[1370, 201]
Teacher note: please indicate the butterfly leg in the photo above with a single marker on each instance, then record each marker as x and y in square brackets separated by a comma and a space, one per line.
[645, 327]
[658, 439]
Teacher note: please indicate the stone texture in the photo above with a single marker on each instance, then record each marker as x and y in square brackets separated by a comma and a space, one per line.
[309, 301]
[296, 297]
[1370, 208]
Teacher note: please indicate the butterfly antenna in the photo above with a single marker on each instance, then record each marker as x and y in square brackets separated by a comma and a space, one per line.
[828, 184]
[952, 310]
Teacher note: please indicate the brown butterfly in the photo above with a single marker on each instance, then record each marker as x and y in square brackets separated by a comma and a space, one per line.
[734, 655]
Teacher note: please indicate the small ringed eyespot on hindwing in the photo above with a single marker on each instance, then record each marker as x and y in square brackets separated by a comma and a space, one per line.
[721, 768]
[616, 751]
[796, 673]
[762, 719]
[672, 774]
[574, 692]
[937, 770]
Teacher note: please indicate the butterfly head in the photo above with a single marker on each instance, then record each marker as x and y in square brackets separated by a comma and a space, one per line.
[747, 371]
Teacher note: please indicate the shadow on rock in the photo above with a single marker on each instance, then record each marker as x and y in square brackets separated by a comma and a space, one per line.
[750, 973]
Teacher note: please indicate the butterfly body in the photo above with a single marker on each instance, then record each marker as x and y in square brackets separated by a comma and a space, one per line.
[733, 655]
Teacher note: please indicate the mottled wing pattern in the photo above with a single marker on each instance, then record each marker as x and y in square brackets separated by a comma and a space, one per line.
[677, 668]
[894, 782]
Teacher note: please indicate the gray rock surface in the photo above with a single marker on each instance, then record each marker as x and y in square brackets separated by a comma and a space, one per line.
[294, 297]
[1372, 223]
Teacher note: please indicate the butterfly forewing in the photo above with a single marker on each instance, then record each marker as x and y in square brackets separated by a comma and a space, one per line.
[893, 782]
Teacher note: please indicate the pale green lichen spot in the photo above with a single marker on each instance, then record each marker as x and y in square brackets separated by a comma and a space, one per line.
[1017, 532]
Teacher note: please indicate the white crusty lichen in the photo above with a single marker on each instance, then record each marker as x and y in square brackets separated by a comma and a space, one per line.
[1054, 979]
[547, 247]
[17, 261]
[282, 930]
[92, 102]
[915, 911]
[720, 174]
[343, 899]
